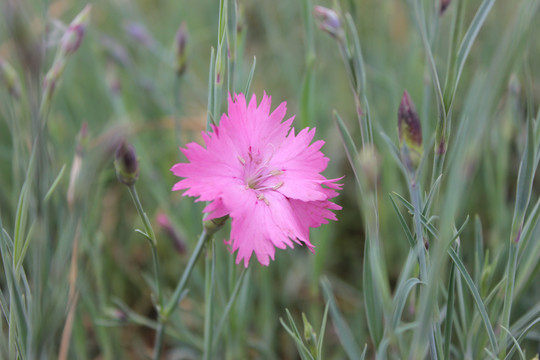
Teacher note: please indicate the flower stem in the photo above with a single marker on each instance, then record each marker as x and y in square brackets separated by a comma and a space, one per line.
[171, 305]
[158, 343]
[210, 267]
[416, 202]
[150, 235]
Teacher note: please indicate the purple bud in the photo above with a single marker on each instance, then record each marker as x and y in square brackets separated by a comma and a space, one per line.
[166, 226]
[410, 132]
[74, 35]
[444, 5]
[180, 48]
[328, 21]
[139, 33]
[126, 164]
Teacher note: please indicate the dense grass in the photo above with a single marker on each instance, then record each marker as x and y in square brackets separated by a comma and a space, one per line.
[440, 261]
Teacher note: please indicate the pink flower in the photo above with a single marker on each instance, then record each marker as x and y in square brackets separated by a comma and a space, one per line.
[264, 176]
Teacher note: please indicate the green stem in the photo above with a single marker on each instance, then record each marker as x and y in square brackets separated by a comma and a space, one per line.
[150, 235]
[508, 297]
[416, 202]
[159, 340]
[149, 232]
[210, 267]
[171, 305]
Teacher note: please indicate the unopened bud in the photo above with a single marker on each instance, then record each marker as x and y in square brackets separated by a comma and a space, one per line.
[213, 225]
[115, 51]
[328, 21]
[410, 133]
[77, 164]
[74, 34]
[126, 164]
[180, 49]
[166, 226]
[309, 334]
[139, 33]
[444, 6]
[10, 79]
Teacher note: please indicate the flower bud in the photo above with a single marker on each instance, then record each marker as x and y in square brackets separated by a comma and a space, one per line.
[74, 35]
[410, 133]
[10, 79]
[309, 334]
[444, 5]
[180, 49]
[212, 226]
[126, 164]
[139, 33]
[328, 21]
[77, 164]
[166, 226]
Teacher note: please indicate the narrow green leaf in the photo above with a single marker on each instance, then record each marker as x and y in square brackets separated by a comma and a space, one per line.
[400, 299]
[55, 183]
[470, 36]
[524, 183]
[250, 76]
[350, 147]
[431, 195]
[449, 312]
[423, 219]
[394, 151]
[372, 301]
[479, 250]
[211, 85]
[404, 225]
[229, 306]
[322, 330]
[478, 300]
[344, 334]
[516, 344]
[297, 337]
[522, 336]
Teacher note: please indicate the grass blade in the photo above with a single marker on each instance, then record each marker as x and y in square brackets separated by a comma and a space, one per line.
[476, 295]
[343, 332]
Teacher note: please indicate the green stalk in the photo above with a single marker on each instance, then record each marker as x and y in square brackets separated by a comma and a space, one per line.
[416, 202]
[508, 296]
[150, 235]
[210, 268]
[171, 305]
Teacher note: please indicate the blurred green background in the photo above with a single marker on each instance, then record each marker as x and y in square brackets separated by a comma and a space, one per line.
[122, 85]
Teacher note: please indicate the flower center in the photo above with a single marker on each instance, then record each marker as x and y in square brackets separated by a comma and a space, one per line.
[258, 174]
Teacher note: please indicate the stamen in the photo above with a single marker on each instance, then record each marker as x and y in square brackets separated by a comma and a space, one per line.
[278, 185]
[276, 172]
[262, 198]
[241, 159]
